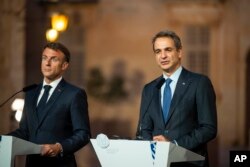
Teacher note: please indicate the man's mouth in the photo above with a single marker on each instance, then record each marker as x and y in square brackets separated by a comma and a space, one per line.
[164, 62]
[47, 70]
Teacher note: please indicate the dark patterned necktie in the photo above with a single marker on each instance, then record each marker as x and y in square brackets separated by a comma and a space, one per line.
[167, 95]
[42, 103]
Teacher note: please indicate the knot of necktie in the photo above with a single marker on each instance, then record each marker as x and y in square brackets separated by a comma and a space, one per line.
[46, 88]
[168, 81]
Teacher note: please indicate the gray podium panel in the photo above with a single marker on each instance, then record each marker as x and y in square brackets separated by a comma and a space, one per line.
[134, 153]
[11, 146]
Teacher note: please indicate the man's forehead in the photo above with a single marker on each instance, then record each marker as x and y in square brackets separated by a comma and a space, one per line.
[52, 52]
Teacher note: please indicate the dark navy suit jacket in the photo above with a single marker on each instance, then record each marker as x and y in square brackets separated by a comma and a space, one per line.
[65, 120]
[192, 119]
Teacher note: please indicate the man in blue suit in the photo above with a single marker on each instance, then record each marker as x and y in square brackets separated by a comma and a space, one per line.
[61, 125]
[190, 120]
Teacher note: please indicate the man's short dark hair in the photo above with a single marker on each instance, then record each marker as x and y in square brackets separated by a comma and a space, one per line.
[168, 34]
[58, 46]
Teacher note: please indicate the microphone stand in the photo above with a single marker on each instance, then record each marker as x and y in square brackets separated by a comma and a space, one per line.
[142, 115]
[25, 89]
[2, 104]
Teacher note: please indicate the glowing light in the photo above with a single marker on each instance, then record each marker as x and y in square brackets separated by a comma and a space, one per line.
[51, 35]
[59, 22]
[18, 115]
[17, 106]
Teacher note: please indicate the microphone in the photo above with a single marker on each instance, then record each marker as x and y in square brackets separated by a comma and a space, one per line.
[25, 89]
[28, 88]
[102, 140]
[160, 83]
[139, 129]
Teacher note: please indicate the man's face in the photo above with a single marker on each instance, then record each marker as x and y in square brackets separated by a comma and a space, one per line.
[53, 64]
[167, 56]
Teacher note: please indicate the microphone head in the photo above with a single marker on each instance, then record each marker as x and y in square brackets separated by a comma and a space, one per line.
[102, 140]
[27, 88]
[139, 137]
[160, 83]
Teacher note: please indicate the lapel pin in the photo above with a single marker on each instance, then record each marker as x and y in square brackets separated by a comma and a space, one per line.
[183, 83]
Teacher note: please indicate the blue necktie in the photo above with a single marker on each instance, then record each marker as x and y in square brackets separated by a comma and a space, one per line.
[167, 95]
[42, 103]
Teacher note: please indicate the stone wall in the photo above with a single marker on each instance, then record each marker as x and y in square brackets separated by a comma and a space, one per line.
[12, 43]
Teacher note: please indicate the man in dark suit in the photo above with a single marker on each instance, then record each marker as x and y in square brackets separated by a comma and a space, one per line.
[190, 120]
[61, 124]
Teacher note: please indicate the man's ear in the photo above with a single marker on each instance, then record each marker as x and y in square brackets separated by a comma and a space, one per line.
[65, 65]
[180, 53]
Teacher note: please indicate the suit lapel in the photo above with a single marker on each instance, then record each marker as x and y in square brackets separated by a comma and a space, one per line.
[181, 87]
[156, 99]
[33, 103]
[57, 92]
[156, 102]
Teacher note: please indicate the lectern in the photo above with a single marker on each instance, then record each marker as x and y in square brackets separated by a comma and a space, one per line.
[11, 146]
[135, 153]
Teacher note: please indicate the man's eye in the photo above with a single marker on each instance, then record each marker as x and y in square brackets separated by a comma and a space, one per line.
[44, 58]
[54, 59]
[170, 49]
[157, 51]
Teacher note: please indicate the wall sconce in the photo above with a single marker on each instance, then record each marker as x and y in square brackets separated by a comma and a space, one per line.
[59, 22]
[17, 106]
[51, 35]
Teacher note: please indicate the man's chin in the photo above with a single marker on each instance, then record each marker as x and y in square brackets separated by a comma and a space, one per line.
[165, 68]
[48, 77]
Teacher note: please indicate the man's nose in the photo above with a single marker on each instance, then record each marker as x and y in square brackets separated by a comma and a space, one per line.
[164, 55]
[48, 61]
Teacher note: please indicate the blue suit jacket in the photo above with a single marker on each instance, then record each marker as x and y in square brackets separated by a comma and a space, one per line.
[192, 119]
[65, 120]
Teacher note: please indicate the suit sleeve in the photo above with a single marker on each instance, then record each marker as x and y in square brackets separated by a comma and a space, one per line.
[206, 128]
[80, 124]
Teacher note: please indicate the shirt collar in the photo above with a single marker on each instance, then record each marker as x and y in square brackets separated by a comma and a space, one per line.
[54, 83]
[175, 76]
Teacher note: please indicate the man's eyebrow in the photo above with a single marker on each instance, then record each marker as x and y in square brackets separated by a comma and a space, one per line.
[49, 56]
[169, 48]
